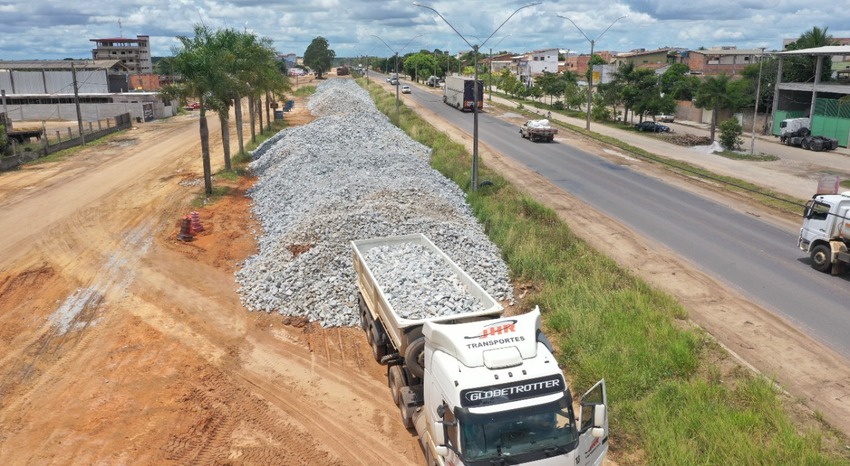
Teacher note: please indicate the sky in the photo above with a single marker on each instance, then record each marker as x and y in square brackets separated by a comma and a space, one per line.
[58, 29]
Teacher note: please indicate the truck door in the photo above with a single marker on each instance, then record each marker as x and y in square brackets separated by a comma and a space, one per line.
[593, 448]
[815, 223]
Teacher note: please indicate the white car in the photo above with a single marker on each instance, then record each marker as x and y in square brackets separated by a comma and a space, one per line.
[405, 89]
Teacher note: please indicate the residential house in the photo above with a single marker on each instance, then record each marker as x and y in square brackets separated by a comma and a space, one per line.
[651, 59]
[721, 60]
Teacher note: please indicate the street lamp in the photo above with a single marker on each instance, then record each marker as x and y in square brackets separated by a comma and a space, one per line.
[475, 85]
[396, 66]
[590, 63]
[756, 110]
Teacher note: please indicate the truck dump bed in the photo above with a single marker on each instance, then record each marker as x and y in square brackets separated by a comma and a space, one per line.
[403, 317]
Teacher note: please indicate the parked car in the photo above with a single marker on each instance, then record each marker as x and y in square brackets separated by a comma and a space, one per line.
[664, 118]
[652, 126]
[394, 82]
[405, 89]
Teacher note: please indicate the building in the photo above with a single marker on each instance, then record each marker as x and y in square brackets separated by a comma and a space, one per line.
[135, 54]
[721, 60]
[816, 100]
[44, 90]
[648, 59]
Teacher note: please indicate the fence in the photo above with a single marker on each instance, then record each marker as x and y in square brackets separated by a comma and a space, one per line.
[55, 140]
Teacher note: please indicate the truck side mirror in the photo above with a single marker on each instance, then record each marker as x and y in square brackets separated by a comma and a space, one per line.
[441, 410]
[599, 415]
[441, 450]
[597, 432]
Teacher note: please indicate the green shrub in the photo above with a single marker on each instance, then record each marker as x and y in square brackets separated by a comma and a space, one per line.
[730, 134]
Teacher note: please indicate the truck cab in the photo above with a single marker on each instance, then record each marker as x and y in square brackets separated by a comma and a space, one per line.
[495, 394]
[825, 233]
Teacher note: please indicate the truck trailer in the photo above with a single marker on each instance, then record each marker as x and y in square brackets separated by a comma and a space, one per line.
[825, 234]
[478, 387]
[459, 92]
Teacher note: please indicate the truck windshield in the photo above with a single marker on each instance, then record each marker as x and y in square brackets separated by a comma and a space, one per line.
[523, 431]
[816, 210]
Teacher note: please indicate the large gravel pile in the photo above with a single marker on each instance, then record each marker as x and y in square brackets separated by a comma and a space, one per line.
[350, 174]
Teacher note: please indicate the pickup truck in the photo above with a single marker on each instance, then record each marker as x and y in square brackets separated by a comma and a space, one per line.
[538, 130]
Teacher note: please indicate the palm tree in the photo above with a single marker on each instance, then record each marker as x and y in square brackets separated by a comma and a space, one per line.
[802, 69]
[718, 92]
[198, 66]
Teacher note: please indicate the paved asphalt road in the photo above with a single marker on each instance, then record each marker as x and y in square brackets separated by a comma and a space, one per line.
[756, 257]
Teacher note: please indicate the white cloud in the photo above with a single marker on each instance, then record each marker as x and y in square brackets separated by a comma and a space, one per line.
[52, 29]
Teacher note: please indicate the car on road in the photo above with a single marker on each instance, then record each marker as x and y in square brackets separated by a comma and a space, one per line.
[405, 89]
[652, 127]
[394, 82]
[664, 118]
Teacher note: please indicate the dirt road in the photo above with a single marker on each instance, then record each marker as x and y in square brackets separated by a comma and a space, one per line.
[121, 345]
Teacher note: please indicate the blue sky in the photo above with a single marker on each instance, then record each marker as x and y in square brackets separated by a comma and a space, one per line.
[52, 29]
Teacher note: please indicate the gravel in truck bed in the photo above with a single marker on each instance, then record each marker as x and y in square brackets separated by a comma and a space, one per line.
[350, 174]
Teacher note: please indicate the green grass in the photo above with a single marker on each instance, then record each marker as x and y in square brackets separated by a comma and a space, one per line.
[734, 155]
[669, 403]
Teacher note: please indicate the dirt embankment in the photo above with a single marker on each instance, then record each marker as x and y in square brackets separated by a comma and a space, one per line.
[120, 344]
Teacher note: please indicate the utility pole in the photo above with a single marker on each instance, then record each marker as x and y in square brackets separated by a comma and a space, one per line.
[756, 110]
[77, 104]
[590, 64]
[475, 49]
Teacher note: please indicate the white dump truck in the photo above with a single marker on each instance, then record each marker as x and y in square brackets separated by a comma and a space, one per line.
[479, 388]
[825, 234]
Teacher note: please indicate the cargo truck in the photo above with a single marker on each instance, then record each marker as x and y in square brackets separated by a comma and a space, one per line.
[538, 130]
[478, 387]
[459, 92]
[825, 234]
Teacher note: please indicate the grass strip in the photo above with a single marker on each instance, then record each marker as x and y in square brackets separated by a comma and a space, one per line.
[668, 403]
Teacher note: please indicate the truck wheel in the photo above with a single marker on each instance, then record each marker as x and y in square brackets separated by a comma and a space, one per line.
[364, 319]
[406, 415]
[378, 340]
[414, 357]
[821, 258]
[396, 380]
[806, 145]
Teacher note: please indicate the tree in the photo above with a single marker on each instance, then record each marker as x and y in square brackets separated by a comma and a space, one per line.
[677, 83]
[200, 70]
[803, 68]
[717, 93]
[730, 134]
[318, 56]
[418, 63]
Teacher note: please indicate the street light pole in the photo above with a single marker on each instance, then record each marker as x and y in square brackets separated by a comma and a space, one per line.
[395, 52]
[475, 49]
[756, 110]
[590, 64]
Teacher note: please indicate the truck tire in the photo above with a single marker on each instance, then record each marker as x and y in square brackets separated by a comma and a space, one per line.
[396, 379]
[364, 313]
[414, 357]
[821, 258]
[806, 144]
[378, 340]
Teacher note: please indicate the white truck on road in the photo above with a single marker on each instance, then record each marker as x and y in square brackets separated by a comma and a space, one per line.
[825, 234]
[479, 388]
[797, 132]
